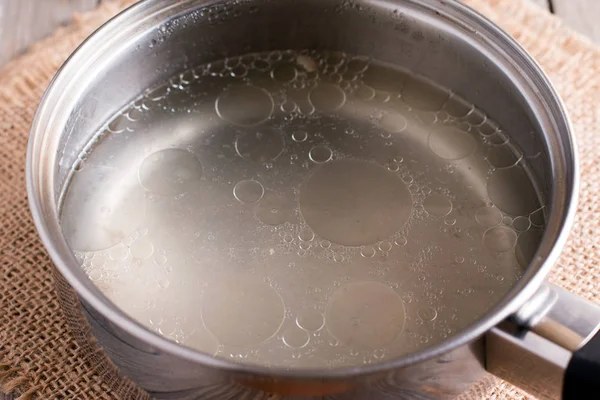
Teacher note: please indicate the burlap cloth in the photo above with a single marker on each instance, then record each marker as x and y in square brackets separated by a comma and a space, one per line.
[43, 356]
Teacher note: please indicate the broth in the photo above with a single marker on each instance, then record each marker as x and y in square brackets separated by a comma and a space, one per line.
[302, 209]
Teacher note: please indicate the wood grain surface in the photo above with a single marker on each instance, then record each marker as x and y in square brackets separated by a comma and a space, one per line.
[23, 22]
[541, 3]
[580, 15]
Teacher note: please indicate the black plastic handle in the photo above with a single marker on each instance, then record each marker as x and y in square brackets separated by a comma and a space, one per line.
[582, 377]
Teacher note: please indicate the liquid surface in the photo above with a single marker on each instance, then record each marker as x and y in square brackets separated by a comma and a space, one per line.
[302, 209]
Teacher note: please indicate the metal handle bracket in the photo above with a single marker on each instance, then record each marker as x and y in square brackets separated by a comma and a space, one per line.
[534, 347]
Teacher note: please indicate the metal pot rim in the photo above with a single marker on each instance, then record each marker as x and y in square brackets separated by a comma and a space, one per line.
[560, 218]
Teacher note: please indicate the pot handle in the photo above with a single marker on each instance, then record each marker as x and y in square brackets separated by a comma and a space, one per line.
[550, 347]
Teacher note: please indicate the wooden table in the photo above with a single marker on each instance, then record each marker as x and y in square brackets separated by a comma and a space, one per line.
[580, 15]
[23, 22]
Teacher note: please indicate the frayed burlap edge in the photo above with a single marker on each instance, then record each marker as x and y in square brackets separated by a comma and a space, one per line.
[44, 354]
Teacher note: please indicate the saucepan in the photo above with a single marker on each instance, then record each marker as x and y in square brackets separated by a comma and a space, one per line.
[537, 335]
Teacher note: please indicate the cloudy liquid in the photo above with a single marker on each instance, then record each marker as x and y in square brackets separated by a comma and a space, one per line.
[302, 209]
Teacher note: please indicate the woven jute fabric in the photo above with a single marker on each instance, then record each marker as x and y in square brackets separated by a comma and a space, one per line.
[46, 350]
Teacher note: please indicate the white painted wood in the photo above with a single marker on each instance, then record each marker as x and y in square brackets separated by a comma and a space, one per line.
[23, 22]
[580, 15]
[541, 3]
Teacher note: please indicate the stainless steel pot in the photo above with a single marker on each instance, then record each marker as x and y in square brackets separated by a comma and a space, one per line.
[528, 338]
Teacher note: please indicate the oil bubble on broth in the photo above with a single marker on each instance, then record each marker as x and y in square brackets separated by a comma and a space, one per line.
[244, 105]
[260, 145]
[303, 209]
[103, 212]
[365, 315]
[353, 202]
[169, 171]
[253, 312]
